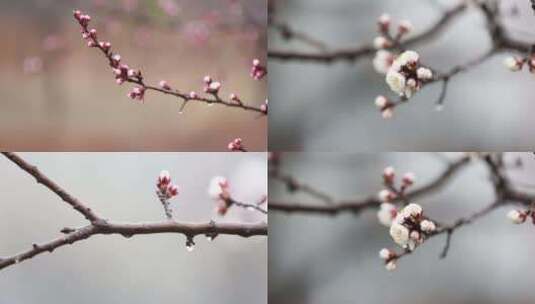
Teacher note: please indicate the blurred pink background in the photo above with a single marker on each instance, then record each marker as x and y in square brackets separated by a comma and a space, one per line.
[57, 94]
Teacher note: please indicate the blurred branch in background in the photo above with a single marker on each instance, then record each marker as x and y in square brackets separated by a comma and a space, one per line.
[101, 226]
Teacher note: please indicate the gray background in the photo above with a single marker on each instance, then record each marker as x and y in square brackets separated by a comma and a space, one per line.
[317, 107]
[322, 259]
[142, 269]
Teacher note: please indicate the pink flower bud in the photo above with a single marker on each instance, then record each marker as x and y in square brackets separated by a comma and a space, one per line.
[404, 27]
[408, 179]
[193, 95]
[172, 190]
[213, 87]
[164, 179]
[105, 46]
[77, 14]
[164, 85]
[93, 33]
[264, 107]
[207, 79]
[116, 58]
[257, 70]
[235, 98]
[383, 23]
[221, 208]
[236, 145]
[389, 174]
[137, 93]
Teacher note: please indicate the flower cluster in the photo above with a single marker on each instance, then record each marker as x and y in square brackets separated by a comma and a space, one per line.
[404, 73]
[516, 64]
[409, 229]
[408, 225]
[258, 71]
[165, 190]
[121, 71]
[218, 190]
[164, 187]
[236, 145]
[406, 76]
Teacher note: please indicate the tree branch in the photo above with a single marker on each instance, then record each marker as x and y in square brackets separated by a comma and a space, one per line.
[101, 226]
[124, 74]
[356, 206]
[354, 54]
[190, 230]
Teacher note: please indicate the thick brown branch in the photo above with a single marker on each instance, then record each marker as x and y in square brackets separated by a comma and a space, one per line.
[190, 230]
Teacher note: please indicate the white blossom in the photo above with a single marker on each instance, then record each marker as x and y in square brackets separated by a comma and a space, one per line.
[427, 226]
[396, 81]
[411, 210]
[400, 234]
[408, 57]
[424, 73]
[386, 214]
